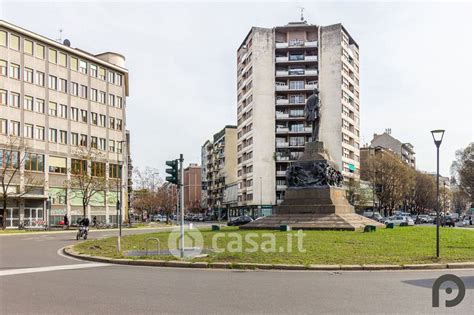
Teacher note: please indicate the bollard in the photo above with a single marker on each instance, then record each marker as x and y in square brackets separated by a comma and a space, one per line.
[216, 227]
[285, 228]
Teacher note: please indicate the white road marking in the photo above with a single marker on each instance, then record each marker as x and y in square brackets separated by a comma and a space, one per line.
[49, 268]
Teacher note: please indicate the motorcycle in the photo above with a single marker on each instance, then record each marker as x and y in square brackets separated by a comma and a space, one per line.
[82, 233]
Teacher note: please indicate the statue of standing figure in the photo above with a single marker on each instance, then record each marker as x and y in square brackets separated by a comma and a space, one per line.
[312, 114]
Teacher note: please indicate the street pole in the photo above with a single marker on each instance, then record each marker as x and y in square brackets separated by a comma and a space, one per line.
[181, 202]
[437, 201]
[119, 197]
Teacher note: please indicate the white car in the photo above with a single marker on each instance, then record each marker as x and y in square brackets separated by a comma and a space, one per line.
[398, 219]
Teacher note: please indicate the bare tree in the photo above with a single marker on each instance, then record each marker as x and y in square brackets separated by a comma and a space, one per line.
[167, 198]
[424, 192]
[12, 161]
[462, 170]
[88, 176]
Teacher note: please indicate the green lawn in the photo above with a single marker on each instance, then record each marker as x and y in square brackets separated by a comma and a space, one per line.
[402, 245]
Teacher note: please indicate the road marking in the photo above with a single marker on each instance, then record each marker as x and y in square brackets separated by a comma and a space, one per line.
[12, 272]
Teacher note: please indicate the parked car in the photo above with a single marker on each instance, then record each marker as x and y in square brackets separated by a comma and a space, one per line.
[423, 219]
[397, 220]
[240, 221]
[158, 218]
[447, 221]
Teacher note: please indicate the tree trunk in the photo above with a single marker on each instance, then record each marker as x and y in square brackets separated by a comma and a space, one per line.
[4, 213]
[84, 207]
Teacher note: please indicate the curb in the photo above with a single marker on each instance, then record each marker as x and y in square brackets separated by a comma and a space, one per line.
[69, 250]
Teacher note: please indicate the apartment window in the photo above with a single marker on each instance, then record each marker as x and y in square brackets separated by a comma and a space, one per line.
[94, 120]
[28, 75]
[84, 116]
[115, 171]
[63, 111]
[14, 128]
[39, 106]
[39, 133]
[83, 141]
[111, 145]
[3, 38]
[102, 97]
[93, 71]
[119, 102]
[3, 126]
[62, 59]
[14, 42]
[28, 131]
[93, 95]
[102, 120]
[296, 85]
[111, 100]
[82, 66]
[83, 91]
[118, 79]
[63, 85]
[119, 124]
[74, 89]
[63, 136]
[57, 165]
[111, 77]
[101, 73]
[3, 67]
[111, 122]
[53, 82]
[74, 64]
[28, 103]
[119, 147]
[11, 159]
[14, 71]
[53, 109]
[34, 162]
[102, 144]
[39, 78]
[98, 169]
[74, 139]
[3, 97]
[94, 142]
[14, 99]
[39, 51]
[52, 55]
[78, 166]
[53, 135]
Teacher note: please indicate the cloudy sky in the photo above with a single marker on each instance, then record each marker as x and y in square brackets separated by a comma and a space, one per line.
[416, 65]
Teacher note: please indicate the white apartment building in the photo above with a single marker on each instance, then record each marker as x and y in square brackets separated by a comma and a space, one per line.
[277, 70]
[55, 99]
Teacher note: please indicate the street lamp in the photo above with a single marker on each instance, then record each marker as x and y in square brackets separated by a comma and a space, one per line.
[438, 138]
[119, 194]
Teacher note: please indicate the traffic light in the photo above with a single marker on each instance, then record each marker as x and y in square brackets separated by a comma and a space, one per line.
[173, 171]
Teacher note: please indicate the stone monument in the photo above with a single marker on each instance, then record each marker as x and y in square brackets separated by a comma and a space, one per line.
[314, 198]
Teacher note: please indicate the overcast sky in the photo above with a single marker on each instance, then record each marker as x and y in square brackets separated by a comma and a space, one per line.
[416, 65]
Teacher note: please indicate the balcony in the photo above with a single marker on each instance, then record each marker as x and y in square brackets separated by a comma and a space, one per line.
[279, 201]
[311, 86]
[279, 87]
[282, 115]
[282, 144]
[281, 45]
[296, 73]
[311, 44]
[282, 130]
[280, 187]
[281, 173]
[282, 101]
[282, 158]
[287, 59]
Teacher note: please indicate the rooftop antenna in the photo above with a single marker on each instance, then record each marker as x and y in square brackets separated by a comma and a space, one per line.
[302, 16]
[60, 39]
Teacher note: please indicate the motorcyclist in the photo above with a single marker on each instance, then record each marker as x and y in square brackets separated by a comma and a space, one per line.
[66, 221]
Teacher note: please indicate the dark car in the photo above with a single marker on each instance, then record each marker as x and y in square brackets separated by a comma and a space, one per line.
[240, 221]
[447, 221]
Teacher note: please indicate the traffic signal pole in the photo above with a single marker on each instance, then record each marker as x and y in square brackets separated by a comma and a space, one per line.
[181, 201]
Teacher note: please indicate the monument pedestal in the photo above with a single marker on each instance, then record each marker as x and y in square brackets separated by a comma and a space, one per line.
[310, 202]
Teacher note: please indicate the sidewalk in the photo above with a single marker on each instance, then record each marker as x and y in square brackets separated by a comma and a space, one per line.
[74, 230]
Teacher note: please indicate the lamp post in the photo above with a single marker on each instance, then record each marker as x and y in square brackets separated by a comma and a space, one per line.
[119, 195]
[438, 138]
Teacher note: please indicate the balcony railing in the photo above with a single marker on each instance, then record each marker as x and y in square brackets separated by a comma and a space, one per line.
[281, 173]
[282, 158]
[281, 87]
[282, 102]
[281, 187]
[282, 115]
[282, 144]
[288, 59]
[282, 130]
[311, 44]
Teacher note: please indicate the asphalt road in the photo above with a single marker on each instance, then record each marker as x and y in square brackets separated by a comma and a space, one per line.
[35, 279]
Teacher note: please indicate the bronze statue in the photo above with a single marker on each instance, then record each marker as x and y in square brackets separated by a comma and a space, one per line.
[312, 114]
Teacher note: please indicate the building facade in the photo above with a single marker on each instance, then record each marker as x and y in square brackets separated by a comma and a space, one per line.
[277, 70]
[220, 163]
[54, 101]
[192, 187]
[403, 150]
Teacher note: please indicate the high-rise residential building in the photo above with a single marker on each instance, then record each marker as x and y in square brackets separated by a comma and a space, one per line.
[54, 100]
[404, 150]
[277, 70]
[219, 159]
[192, 187]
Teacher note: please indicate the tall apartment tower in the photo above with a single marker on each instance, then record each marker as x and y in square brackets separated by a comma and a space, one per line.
[277, 70]
[55, 100]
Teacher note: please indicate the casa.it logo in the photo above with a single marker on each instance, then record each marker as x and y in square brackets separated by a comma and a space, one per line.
[193, 242]
[437, 286]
